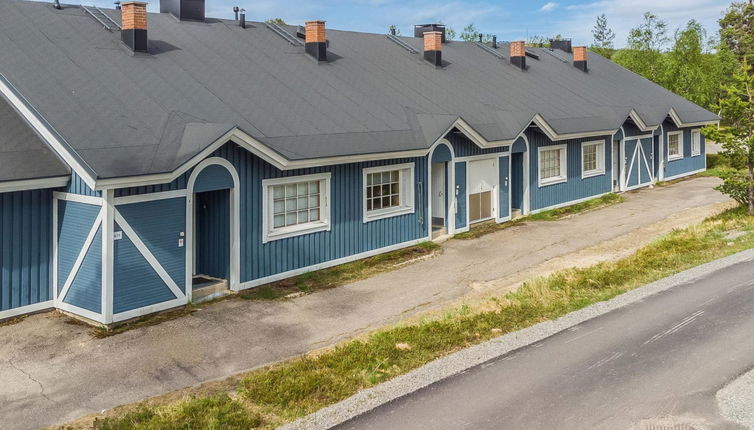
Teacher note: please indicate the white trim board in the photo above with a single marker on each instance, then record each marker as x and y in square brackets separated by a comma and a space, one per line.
[331, 263]
[149, 197]
[571, 203]
[34, 184]
[146, 310]
[86, 313]
[681, 175]
[78, 198]
[27, 309]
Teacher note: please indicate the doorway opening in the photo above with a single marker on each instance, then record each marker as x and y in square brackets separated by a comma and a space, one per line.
[616, 166]
[439, 199]
[211, 265]
[517, 184]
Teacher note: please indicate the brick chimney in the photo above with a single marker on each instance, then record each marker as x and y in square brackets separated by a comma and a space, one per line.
[316, 40]
[134, 26]
[518, 54]
[579, 58]
[433, 47]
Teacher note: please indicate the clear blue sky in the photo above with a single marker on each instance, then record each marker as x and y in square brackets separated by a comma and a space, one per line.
[508, 19]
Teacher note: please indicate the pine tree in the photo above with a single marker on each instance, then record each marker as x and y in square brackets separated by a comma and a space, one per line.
[603, 35]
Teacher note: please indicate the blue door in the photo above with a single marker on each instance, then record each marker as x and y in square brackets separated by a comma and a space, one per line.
[212, 219]
[504, 187]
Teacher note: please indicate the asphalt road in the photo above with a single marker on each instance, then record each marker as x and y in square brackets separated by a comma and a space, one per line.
[665, 356]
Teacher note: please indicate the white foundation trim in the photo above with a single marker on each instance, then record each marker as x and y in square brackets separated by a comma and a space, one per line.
[694, 172]
[146, 310]
[570, 203]
[22, 310]
[331, 263]
[86, 313]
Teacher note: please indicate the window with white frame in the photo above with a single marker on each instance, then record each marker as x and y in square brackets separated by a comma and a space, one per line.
[388, 191]
[675, 145]
[295, 205]
[592, 158]
[552, 165]
[696, 143]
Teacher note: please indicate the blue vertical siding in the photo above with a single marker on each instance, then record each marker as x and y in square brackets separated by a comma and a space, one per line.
[25, 248]
[136, 284]
[86, 289]
[687, 164]
[575, 188]
[75, 220]
[463, 147]
[159, 224]
[78, 186]
[460, 174]
[504, 187]
[212, 219]
[349, 235]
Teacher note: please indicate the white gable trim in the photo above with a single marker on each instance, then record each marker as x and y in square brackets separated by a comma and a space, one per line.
[34, 119]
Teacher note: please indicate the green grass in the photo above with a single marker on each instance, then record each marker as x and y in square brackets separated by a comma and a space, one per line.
[343, 274]
[483, 229]
[218, 412]
[286, 391]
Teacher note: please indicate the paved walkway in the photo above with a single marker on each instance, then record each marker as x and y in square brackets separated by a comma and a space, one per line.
[53, 372]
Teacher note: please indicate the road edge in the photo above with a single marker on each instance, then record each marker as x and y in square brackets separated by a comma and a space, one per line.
[458, 362]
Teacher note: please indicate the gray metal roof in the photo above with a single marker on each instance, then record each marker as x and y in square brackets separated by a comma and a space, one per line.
[23, 155]
[127, 114]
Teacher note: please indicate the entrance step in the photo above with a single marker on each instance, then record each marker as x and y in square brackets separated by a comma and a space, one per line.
[516, 213]
[206, 288]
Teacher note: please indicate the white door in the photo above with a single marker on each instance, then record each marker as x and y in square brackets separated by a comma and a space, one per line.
[483, 183]
[616, 166]
[438, 192]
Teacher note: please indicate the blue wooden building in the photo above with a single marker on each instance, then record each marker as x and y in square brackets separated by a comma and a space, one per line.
[146, 158]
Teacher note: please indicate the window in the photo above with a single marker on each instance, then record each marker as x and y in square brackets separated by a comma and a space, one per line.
[696, 143]
[388, 191]
[295, 205]
[592, 159]
[552, 165]
[675, 145]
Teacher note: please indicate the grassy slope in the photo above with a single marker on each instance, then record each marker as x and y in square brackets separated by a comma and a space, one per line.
[271, 396]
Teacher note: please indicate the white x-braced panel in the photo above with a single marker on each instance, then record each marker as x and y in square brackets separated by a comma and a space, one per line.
[82, 254]
[148, 256]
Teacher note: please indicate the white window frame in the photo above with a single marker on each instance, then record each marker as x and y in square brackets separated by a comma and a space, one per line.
[269, 233]
[600, 170]
[563, 165]
[696, 145]
[678, 156]
[406, 180]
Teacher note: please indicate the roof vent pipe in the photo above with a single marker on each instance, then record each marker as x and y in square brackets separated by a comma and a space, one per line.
[316, 40]
[518, 54]
[433, 47]
[134, 25]
[56, 4]
[235, 11]
[579, 58]
[242, 18]
[117, 5]
[494, 42]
